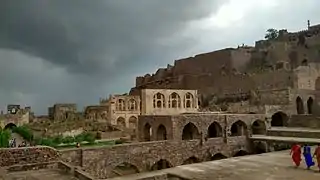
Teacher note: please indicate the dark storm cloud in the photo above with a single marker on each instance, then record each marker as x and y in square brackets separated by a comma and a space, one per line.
[95, 36]
[61, 51]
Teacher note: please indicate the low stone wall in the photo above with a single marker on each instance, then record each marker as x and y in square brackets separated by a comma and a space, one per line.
[34, 166]
[301, 134]
[27, 155]
[308, 121]
[100, 161]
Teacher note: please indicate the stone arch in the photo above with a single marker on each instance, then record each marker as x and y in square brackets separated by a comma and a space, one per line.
[190, 131]
[258, 127]
[10, 126]
[132, 105]
[279, 119]
[159, 101]
[299, 105]
[238, 128]
[174, 100]
[188, 100]
[259, 148]
[214, 130]
[240, 153]
[218, 156]
[121, 105]
[304, 62]
[317, 84]
[191, 160]
[161, 164]
[121, 122]
[123, 169]
[133, 122]
[147, 132]
[310, 105]
[161, 133]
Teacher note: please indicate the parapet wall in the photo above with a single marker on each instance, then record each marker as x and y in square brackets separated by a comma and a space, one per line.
[27, 155]
[100, 161]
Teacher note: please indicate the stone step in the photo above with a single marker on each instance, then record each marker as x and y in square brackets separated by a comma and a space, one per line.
[294, 132]
[286, 139]
[47, 174]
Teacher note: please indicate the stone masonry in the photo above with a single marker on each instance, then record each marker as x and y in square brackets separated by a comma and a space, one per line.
[233, 137]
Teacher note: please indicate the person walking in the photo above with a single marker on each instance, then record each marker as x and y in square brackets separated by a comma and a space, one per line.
[307, 156]
[317, 155]
[296, 154]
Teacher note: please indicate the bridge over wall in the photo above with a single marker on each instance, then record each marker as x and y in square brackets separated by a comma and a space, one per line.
[101, 161]
[173, 141]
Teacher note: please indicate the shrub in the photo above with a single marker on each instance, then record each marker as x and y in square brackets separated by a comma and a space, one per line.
[58, 139]
[79, 138]
[68, 140]
[48, 142]
[89, 137]
[4, 138]
[24, 132]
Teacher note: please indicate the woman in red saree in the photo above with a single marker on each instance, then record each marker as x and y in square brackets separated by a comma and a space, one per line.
[317, 155]
[296, 154]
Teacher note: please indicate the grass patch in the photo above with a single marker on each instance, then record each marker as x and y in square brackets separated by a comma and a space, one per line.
[86, 144]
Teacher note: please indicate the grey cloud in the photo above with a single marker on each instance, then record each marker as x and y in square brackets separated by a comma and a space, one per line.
[94, 36]
[79, 50]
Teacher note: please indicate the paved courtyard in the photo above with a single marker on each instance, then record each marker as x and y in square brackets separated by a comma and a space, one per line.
[269, 166]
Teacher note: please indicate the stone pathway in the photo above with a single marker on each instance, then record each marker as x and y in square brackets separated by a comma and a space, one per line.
[19, 139]
[293, 129]
[269, 166]
[43, 174]
[285, 139]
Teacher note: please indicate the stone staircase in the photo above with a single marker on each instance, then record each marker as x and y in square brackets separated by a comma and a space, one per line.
[290, 134]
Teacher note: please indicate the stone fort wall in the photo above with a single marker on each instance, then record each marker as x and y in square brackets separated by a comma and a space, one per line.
[27, 155]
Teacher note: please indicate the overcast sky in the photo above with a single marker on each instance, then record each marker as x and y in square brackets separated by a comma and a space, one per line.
[76, 51]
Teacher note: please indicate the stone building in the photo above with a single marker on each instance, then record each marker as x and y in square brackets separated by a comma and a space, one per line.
[168, 101]
[21, 117]
[62, 111]
[123, 110]
[97, 112]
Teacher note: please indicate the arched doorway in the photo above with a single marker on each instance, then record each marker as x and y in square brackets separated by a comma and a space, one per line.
[132, 122]
[279, 119]
[259, 148]
[190, 131]
[10, 126]
[258, 127]
[218, 156]
[299, 105]
[123, 169]
[239, 128]
[214, 130]
[241, 153]
[161, 164]
[161, 133]
[147, 132]
[310, 105]
[191, 160]
[121, 122]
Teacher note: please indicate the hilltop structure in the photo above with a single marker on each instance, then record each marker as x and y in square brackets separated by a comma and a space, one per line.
[227, 103]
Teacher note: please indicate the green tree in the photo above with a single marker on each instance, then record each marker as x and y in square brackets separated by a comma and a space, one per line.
[271, 34]
[24, 132]
[5, 136]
